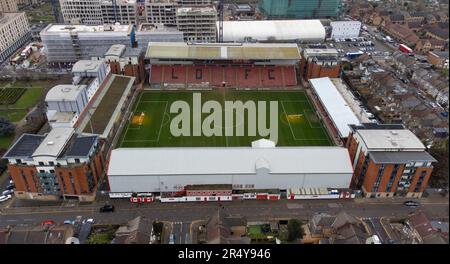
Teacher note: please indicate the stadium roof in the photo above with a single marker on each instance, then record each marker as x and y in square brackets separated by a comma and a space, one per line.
[273, 30]
[245, 51]
[230, 160]
[390, 139]
[337, 108]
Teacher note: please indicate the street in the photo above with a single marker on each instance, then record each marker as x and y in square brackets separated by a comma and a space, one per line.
[253, 210]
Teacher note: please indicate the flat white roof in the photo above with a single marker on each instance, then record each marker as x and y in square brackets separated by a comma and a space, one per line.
[390, 139]
[54, 142]
[337, 108]
[64, 92]
[263, 30]
[87, 66]
[52, 28]
[230, 160]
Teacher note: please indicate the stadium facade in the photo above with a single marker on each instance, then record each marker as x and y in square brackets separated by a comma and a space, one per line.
[223, 65]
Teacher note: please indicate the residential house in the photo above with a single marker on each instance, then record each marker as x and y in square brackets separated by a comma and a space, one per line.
[438, 58]
[414, 26]
[416, 17]
[221, 229]
[426, 45]
[321, 224]
[401, 33]
[424, 230]
[347, 229]
[136, 231]
[437, 33]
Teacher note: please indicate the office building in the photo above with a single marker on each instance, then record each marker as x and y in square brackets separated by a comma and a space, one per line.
[300, 8]
[14, 33]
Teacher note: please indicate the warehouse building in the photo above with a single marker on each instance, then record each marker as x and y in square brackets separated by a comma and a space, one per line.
[171, 170]
[70, 43]
[336, 109]
[388, 160]
[223, 65]
[273, 31]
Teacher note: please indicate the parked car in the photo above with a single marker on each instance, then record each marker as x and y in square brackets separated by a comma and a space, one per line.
[7, 192]
[68, 222]
[10, 187]
[48, 222]
[411, 203]
[4, 198]
[89, 220]
[107, 208]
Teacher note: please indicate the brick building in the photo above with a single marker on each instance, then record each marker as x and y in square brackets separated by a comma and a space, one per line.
[388, 160]
[125, 61]
[60, 164]
[318, 63]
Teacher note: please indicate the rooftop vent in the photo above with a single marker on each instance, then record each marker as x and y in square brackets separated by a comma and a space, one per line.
[50, 143]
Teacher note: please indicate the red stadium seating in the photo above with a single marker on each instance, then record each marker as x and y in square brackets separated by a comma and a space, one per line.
[238, 76]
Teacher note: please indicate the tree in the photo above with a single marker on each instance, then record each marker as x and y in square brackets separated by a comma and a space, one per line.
[295, 230]
[440, 175]
[6, 127]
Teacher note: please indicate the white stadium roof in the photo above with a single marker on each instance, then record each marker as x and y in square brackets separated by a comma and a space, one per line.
[337, 108]
[263, 30]
[231, 160]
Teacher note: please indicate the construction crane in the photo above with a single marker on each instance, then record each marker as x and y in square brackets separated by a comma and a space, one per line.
[221, 12]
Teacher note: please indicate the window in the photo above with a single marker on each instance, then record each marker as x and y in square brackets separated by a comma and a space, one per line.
[41, 163]
[77, 160]
[378, 179]
[51, 163]
[392, 178]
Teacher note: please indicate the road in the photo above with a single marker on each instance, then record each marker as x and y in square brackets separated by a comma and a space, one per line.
[252, 210]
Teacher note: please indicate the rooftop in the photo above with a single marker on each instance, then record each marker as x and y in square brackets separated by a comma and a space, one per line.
[88, 65]
[397, 157]
[59, 28]
[116, 50]
[246, 51]
[64, 92]
[390, 139]
[231, 160]
[270, 30]
[24, 146]
[81, 146]
[54, 142]
[337, 108]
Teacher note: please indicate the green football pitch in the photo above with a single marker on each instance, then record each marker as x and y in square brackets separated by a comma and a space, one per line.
[148, 125]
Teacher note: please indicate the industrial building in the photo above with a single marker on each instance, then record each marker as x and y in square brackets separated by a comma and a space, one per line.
[273, 31]
[14, 33]
[335, 107]
[345, 29]
[70, 43]
[245, 169]
[223, 65]
[318, 63]
[388, 160]
[198, 24]
[300, 8]
[60, 164]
